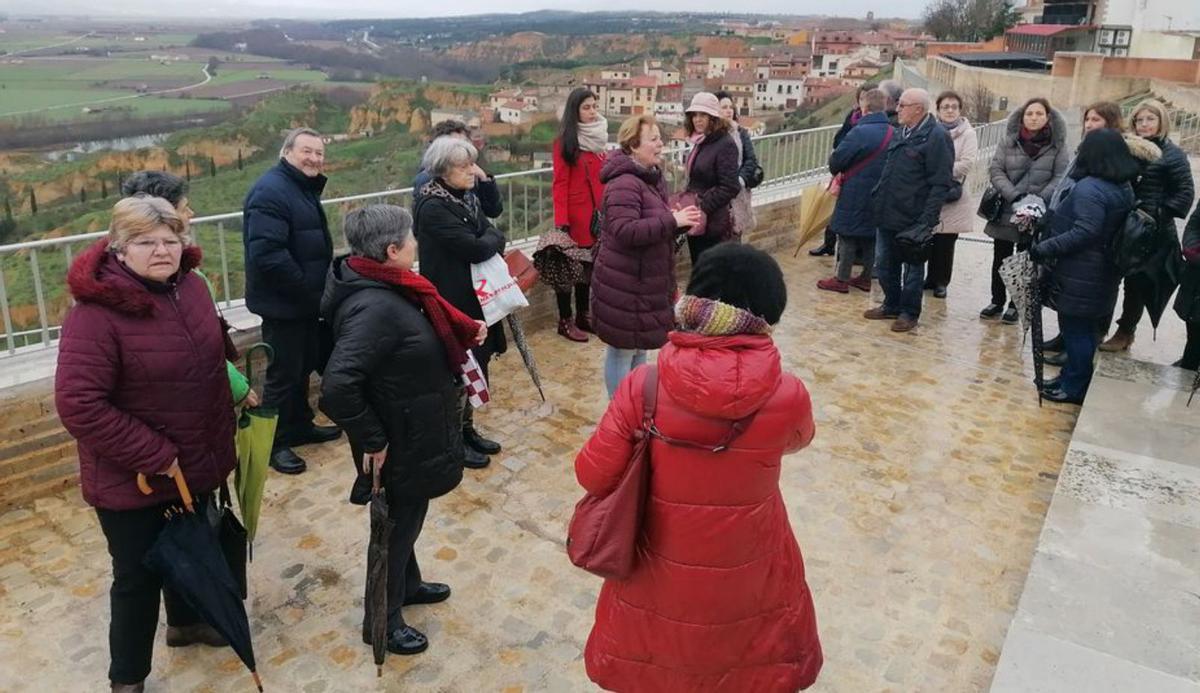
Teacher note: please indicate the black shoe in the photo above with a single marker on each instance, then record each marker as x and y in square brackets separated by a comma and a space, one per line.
[1057, 395]
[196, 634]
[478, 443]
[407, 641]
[992, 312]
[939, 292]
[1059, 359]
[284, 461]
[318, 434]
[473, 459]
[1010, 315]
[429, 593]
[821, 250]
[1054, 345]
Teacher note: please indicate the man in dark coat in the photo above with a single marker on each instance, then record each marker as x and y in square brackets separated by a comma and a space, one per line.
[909, 199]
[1187, 301]
[288, 251]
[486, 190]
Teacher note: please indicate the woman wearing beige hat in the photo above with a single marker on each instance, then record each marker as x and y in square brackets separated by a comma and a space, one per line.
[712, 171]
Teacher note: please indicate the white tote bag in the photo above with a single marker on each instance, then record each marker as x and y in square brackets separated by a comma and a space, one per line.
[497, 291]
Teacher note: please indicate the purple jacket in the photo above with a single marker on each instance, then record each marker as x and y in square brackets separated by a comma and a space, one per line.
[142, 381]
[633, 281]
[714, 177]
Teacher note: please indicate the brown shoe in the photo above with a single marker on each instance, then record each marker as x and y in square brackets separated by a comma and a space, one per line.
[877, 313]
[903, 325]
[1120, 341]
[834, 284]
[198, 634]
[861, 283]
[567, 328]
[128, 687]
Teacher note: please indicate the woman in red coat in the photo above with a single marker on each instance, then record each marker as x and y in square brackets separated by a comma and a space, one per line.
[577, 191]
[143, 388]
[718, 600]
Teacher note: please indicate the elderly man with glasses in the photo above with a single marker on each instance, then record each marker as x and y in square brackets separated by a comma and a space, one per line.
[907, 204]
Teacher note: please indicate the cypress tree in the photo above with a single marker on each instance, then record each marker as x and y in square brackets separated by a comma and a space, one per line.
[187, 168]
[32, 201]
[239, 160]
[82, 195]
[212, 167]
[103, 188]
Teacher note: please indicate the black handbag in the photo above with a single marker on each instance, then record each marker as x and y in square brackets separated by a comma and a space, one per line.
[914, 245]
[231, 537]
[991, 204]
[755, 178]
[955, 192]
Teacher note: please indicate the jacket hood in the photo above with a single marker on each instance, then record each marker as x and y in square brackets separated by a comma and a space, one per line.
[342, 283]
[1142, 148]
[96, 276]
[1058, 126]
[720, 377]
[619, 163]
[880, 118]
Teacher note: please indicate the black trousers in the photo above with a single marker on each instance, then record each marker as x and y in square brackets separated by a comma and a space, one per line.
[1191, 351]
[582, 297]
[404, 575]
[1000, 251]
[1133, 305]
[941, 263]
[133, 597]
[699, 244]
[297, 345]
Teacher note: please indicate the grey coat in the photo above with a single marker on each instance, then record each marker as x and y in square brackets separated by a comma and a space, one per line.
[1015, 175]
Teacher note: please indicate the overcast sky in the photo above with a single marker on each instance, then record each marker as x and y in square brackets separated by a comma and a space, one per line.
[299, 9]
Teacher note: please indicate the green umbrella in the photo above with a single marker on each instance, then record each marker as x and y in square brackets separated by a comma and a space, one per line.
[255, 438]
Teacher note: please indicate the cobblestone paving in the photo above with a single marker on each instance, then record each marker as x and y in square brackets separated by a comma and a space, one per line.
[917, 508]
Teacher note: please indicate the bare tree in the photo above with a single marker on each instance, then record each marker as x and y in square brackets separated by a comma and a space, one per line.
[968, 20]
[980, 103]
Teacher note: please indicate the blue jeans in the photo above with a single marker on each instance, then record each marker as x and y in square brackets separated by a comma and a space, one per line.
[618, 363]
[1080, 343]
[902, 282]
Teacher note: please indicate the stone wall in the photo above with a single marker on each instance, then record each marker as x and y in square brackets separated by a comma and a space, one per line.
[37, 457]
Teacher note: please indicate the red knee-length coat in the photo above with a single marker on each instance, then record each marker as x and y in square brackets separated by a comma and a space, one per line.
[718, 600]
[576, 192]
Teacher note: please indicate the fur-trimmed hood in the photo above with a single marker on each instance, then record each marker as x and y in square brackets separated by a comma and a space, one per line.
[1058, 126]
[1142, 149]
[97, 276]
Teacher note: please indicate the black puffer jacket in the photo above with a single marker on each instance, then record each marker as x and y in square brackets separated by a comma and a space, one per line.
[714, 178]
[1166, 189]
[453, 234]
[388, 383]
[1083, 279]
[287, 244]
[916, 177]
[749, 158]
[1187, 301]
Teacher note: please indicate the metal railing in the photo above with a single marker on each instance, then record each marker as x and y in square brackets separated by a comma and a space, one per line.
[34, 299]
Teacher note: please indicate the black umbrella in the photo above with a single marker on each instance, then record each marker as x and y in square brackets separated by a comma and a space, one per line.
[518, 333]
[1037, 339]
[1195, 386]
[188, 557]
[1158, 279]
[375, 600]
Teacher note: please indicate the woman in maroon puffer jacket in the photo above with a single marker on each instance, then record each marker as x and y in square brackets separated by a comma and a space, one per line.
[142, 386]
[633, 283]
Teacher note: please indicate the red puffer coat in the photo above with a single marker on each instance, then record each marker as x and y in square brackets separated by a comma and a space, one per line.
[718, 600]
[142, 381]
[576, 192]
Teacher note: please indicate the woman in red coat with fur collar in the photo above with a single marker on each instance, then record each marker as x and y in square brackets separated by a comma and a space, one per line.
[717, 600]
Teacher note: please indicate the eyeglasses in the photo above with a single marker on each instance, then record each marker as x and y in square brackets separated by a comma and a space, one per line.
[906, 105]
[149, 245]
[1146, 120]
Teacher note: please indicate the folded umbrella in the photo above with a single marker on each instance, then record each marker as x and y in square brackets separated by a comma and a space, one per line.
[375, 600]
[816, 209]
[518, 334]
[188, 558]
[255, 439]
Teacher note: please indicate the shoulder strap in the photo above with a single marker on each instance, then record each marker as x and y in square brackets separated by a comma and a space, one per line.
[649, 402]
[649, 395]
[887, 139]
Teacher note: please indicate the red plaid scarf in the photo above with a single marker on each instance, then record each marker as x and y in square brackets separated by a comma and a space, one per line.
[454, 328]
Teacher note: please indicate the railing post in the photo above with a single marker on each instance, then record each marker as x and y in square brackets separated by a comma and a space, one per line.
[8, 328]
[41, 298]
[224, 263]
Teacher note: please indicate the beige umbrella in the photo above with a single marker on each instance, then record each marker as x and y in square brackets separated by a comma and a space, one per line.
[816, 209]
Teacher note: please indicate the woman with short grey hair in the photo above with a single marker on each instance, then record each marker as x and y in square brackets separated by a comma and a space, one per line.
[455, 234]
[392, 383]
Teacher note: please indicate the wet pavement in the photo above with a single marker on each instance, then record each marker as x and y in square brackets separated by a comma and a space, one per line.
[917, 507]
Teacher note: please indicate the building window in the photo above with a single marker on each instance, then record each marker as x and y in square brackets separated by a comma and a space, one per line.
[1121, 52]
[1123, 38]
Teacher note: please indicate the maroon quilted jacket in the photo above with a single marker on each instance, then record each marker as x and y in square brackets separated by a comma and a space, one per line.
[633, 281]
[142, 381]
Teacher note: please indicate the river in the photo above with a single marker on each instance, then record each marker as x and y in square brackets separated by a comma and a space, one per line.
[118, 144]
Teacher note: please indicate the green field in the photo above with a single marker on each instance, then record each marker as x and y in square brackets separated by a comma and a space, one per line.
[58, 89]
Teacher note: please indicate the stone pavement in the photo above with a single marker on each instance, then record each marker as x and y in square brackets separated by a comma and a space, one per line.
[918, 508]
[1112, 602]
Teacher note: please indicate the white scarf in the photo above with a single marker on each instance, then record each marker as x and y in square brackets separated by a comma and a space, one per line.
[593, 136]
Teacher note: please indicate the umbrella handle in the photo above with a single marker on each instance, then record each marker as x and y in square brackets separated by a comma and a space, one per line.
[270, 351]
[184, 492]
